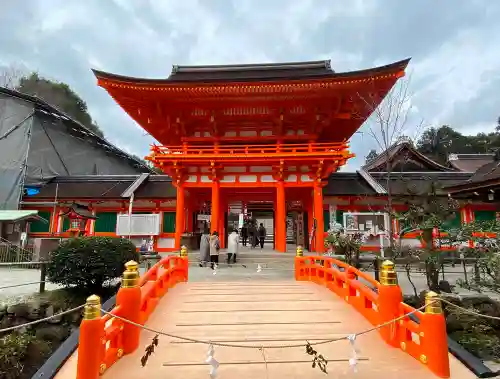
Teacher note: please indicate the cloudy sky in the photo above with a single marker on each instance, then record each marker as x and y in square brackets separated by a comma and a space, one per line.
[454, 45]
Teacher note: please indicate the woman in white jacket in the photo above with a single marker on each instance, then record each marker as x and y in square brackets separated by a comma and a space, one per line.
[233, 242]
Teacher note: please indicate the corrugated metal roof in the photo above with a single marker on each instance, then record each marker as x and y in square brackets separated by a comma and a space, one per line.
[13, 216]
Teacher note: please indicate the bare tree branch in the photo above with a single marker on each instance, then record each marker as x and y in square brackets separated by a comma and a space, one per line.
[387, 125]
[10, 76]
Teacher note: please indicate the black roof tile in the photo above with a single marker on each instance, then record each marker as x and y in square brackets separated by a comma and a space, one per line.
[253, 72]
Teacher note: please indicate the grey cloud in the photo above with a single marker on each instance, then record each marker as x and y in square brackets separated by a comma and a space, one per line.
[63, 39]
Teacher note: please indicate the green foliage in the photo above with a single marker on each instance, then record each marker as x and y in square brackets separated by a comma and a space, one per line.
[61, 96]
[13, 351]
[90, 262]
[486, 253]
[346, 244]
[438, 143]
[477, 335]
[431, 211]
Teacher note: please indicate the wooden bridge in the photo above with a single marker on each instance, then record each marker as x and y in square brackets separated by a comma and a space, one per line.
[261, 329]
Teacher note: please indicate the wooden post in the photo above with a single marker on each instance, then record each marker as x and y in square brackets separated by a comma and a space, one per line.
[129, 300]
[179, 216]
[89, 363]
[434, 341]
[318, 215]
[376, 269]
[43, 276]
[214, 217]
[280, 218]
[389, 298]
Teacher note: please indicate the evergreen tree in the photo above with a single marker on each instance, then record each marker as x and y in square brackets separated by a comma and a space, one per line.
[60, 96]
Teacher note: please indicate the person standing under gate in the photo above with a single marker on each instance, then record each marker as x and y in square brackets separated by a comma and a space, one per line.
[205, 248]
[233, 242]
[252, 231]
[214, 249]
[262, 235]
[244, 234]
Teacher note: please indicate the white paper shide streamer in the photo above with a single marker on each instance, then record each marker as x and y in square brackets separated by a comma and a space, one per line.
[259, 268]
[212, 362]
[353, 361]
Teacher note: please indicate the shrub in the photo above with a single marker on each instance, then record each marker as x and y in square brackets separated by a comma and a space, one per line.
[90, 262]
[13, 351]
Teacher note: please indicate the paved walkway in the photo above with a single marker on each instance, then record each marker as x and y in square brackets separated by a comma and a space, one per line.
[261, 313]
[10, 276]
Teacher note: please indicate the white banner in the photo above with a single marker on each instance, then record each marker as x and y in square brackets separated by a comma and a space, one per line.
[140, 225]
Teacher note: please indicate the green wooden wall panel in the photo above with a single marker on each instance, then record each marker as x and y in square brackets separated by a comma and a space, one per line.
[168, 222]
[105, 222]
[40, 226]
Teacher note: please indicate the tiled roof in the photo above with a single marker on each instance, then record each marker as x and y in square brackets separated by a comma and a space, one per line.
[254, 72]
[415, 183]
[402, 151]
[105, 187]
[469, 162]
[160, 186]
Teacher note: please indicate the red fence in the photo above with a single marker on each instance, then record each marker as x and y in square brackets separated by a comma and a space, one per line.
[104, 340]
[381, 303]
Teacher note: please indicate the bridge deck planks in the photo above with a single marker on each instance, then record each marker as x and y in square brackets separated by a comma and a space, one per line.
[261, 313]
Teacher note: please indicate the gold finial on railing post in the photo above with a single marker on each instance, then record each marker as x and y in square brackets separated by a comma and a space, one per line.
[184, 255]
[432, 303]
[130, 277]
[433, 337]
[92, 309]
[89, 363]
[388, 275]
[300, 251]
[129, 298]
[184, 251]
[390, 297]
[299, 263]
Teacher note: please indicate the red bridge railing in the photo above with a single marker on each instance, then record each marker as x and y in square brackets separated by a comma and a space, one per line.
[420, 334]
[104, 340]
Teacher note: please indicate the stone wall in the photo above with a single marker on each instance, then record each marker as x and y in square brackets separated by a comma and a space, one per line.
[44, 338]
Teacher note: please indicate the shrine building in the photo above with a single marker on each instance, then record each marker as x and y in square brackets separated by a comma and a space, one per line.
[265, 140]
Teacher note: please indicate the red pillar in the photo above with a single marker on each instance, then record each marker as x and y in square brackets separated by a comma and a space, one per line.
[318, 215]
[214, 217]
[179, 216]
[189, 215]
[221, 224]
[280, 218]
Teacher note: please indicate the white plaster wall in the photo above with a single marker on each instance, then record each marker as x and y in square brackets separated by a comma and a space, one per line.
[267, 179]
[260, 169]
[248, 178]
[235, 169]
[305, 178]
[166, 243]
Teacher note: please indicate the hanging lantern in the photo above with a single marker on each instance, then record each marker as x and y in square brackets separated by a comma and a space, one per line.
[76, 221]
[78, 217]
